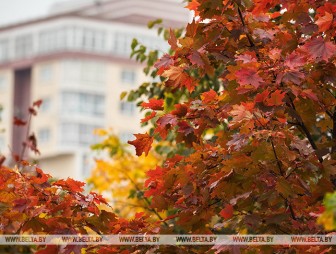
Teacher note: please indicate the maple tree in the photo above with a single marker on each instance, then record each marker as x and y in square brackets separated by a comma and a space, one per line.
[32, 202]
[248, 95]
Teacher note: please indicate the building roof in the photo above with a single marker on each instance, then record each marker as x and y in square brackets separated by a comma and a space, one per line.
[137, 12]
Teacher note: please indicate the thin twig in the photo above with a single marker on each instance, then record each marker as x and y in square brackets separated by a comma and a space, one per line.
[24, 145]
[146, 199]
[249, 37]
[304, 129]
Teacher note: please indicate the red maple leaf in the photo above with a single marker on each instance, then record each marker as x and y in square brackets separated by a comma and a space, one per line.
[37, 103]
[164, 62]
[248, 57]
[295, 60]
[142, 143]
[325, 22]
[290, 76]
[17, 121]
[40, 177]
[153, 104]
[193, 6]
[317, 48]
[180, 110]
[170, 119]
[148, 117]
[189, 83]
[247, 76]
[209, 96]
[172, 40]
[71, 184]
[175, 73]
[196, 58]
[276, 98]
[178, 78]
[227, 212]
[261, 97]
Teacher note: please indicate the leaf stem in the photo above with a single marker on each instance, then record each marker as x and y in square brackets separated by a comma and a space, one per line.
[24, 145]
[146, 200]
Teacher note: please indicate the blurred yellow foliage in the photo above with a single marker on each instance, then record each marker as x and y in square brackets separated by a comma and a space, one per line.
[328, 217]
[327, 220]
[119, 176]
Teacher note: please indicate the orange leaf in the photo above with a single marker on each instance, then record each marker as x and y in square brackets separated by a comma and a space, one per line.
[193, 6]
[71, 184]
[276, 98]
[227, 212]
[209, 96]
[324, 22]
[261, 96]
[41, 177]
[142, 143]
[153, 104]
[148, 117]
[172, 40]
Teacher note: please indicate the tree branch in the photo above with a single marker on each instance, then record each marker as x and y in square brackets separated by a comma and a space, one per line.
[304, 128]
[248, 35]
[146, 199]
[334, 132]
[276, 158]
[287, 202]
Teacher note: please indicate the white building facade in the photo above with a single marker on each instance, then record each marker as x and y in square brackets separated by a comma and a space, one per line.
[77, 61]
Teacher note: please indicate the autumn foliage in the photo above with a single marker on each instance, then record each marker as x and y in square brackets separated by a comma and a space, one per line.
[120, 177]
[249, 107]
[244, 118]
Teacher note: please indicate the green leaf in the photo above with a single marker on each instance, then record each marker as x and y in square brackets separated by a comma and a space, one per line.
[134, 43]
[151, 24]
[122, 95]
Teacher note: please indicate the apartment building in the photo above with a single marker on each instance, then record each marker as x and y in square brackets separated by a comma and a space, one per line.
[77, 61]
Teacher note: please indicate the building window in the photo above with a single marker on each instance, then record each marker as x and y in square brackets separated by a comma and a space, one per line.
[83, 103]
[23, 46]
[84, 72]
[46, 105]
[3, 82]
[126, 108]
[4, 50]
[78, 134]
[88, 40]
[1, 114]
[86, 165]
[45, 42]
[45, 73]
[2, 144]
[44, 135]
[122, 44]
[128, 77]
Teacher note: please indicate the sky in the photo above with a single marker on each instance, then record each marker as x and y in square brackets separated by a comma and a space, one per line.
[12, 11]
